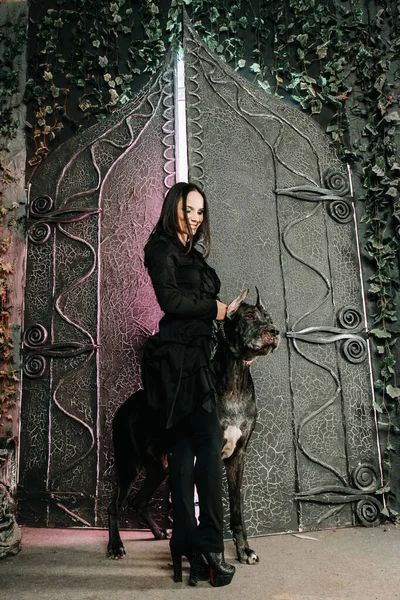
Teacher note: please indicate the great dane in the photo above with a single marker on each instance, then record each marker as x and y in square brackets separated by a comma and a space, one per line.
[246, 333]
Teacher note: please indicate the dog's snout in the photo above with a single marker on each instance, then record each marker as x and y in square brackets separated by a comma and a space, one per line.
[273, 331]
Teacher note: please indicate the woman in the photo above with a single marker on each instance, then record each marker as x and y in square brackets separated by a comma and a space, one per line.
[179, 380]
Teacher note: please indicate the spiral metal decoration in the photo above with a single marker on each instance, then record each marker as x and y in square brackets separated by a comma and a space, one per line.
[39, 233]
[341, 211]
[34, 366]
[355, 350]
[364, 478]
[337, 181]
[36, 335]
[349, 317]
[40, 206]
[368, 511]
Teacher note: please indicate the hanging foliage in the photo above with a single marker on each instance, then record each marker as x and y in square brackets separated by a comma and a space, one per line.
[12, 40]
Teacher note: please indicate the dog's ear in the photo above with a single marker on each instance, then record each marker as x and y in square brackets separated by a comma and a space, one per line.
[234, 305]
[259, 303]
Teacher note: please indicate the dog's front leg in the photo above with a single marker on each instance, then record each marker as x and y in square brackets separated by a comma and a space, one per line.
[234, 472]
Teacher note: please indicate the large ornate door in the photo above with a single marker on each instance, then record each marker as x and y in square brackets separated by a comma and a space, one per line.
[282, 220]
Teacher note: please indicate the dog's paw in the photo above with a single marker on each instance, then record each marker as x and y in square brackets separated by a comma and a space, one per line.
[248, 557]
[116, 552]
[161, 534]
[251, 557]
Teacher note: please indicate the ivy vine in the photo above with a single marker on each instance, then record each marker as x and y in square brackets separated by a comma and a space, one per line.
[12, 41]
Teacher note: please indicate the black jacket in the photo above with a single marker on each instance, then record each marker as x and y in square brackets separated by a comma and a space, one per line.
[176, 369]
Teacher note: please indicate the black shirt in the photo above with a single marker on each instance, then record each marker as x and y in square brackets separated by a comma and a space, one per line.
[177, 371]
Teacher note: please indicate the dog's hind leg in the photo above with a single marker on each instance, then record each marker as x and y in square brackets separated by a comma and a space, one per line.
[155, 475]
[128, 464]
[234, 471]
[115, 547]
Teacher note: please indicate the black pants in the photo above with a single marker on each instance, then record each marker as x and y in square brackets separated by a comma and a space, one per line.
[197, 436]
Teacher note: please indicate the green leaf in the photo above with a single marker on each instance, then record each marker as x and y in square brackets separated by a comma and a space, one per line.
[378, 171]
[213, 14]
[383, 490]
[322, 50]
[380, 333]
[302, 39]
[255, 68]
[377, 407]
[390, 448]
[394, 392]
[392, 116]
[265, 86]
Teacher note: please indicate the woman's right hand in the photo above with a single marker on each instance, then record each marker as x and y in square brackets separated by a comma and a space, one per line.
[221, 314]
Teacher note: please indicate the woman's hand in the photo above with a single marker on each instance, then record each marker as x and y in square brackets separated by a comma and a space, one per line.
[221, 314]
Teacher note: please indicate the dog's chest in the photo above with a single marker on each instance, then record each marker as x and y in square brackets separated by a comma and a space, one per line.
[237, 415]
[236, 412]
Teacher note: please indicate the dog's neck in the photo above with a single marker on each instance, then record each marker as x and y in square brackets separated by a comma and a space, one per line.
[232, 368]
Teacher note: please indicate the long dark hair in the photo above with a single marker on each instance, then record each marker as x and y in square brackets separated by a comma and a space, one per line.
[168, 222]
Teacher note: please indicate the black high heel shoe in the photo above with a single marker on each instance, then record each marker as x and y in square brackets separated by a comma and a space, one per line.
[177, 565]
[219, 572]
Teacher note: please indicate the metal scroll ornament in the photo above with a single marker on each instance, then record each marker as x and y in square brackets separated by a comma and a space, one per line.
[36, 347]
[336, 181]
[39, 233]
[336, 192]
[362, 492]
[355, 350]
[35, 366]
[340, 211]
[40, 206]
[354, 347]
[36, 335]
[349, 317]
[34, 338]
[42, 216]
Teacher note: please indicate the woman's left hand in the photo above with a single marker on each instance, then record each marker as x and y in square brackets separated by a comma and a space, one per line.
[221, 314]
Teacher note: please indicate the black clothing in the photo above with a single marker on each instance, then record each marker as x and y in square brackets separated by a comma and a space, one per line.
[197, 435]
[176, 368]
[179, 383]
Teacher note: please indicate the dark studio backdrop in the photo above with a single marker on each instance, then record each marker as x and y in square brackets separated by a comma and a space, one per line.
[336, 62]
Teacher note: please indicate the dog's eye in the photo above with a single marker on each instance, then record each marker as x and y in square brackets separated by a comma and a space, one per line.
[249, 317]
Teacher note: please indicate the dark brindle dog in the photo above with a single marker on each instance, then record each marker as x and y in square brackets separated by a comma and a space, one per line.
[247, 332]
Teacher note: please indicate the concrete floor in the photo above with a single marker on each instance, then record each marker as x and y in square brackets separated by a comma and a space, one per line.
[345, 564]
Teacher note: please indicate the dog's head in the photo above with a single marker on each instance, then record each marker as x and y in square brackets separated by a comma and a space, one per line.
[249, 329]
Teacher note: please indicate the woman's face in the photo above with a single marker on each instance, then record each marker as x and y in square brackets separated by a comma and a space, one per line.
[194, 211]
